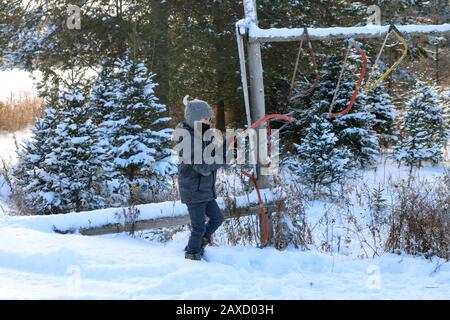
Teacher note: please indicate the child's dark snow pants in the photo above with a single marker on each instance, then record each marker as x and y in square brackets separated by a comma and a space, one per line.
[197, 187]
[198, 213]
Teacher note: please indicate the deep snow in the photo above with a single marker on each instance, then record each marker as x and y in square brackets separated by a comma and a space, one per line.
[36, 263]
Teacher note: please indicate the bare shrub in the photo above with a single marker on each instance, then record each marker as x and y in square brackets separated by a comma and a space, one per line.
[288, 221]
[290, 226]
[129, 217]
[376, 211]
[420, 219]
[353, 221]
[165, 194]
[19, 114]
[359, 231]
[240, 230]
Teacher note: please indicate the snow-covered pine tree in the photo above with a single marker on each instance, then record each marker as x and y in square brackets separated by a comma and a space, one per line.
[100, 100]
[29, 174]
[137, 132]
[58, 168]
[424, 131]
[444, 100]
[379, 104]
[98, 108]
[73, 164]
[321, 161]
[354, 129]
[79, 153]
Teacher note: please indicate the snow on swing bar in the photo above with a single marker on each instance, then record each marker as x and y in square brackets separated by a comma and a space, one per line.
[257, 34]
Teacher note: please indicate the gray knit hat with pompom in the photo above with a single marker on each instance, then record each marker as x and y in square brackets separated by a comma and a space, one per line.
[196, 110]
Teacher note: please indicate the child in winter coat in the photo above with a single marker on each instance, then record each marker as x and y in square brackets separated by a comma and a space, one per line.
[196, 182]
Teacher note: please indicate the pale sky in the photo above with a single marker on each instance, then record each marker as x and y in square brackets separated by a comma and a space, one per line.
[15, 81]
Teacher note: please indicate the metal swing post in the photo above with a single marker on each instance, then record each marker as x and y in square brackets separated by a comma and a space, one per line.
[255, 109]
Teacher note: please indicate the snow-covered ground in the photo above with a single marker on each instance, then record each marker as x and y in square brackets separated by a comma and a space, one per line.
[36, 263]
[7, 144]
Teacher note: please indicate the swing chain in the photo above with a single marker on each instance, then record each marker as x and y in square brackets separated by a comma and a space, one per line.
[296, 67]
[312, 56]
[344, 64]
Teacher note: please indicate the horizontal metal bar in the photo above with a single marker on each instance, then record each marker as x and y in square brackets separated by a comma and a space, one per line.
[257, 34]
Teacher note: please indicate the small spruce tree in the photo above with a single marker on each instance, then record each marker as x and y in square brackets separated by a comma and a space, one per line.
[137, 132]
[321, 161]
[424, 131]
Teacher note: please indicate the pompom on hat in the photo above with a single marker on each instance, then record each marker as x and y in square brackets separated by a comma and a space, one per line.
[195, 110]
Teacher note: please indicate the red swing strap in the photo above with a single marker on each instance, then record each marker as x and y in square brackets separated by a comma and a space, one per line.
[266, 119]
[358, 84]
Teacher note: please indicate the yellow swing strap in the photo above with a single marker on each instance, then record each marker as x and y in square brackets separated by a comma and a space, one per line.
[369, 86]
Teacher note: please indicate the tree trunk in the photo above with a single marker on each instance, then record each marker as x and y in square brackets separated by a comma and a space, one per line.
[219, 60]
[160, 65]
[220, 103]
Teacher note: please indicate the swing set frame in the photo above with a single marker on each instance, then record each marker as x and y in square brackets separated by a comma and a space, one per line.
[249, 35]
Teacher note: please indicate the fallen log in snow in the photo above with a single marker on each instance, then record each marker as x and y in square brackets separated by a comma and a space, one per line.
[152, 215]
[169, 221]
